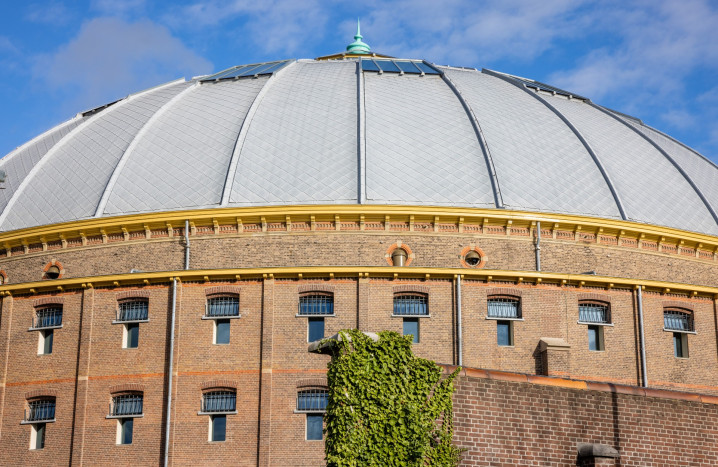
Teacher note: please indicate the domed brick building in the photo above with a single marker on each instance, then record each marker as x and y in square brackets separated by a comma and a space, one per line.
[167, 258]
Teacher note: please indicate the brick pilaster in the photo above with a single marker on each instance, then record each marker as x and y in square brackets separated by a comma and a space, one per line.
[265, 378]
[84, 351]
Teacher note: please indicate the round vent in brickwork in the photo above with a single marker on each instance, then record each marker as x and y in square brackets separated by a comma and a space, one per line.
[472, 257]
[53, 270]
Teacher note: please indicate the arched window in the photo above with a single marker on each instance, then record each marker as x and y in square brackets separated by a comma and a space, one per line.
[218, 403]
[679, 321]
[39, 412]
[596, 315]
[125, 408]
[313, 402]
[315, 306]
[411, 306]
[505, 310]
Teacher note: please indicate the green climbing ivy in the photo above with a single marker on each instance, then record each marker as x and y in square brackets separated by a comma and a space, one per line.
[386, 406]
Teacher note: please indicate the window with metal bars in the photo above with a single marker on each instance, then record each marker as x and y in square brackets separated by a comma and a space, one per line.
[40, 410]
[48, 317]
[504, 307]
[678, 320]
[411, 305]
[593, 312]
[312, 400]
[133, 310]
[223, 306]
[126, 405]
[316, 304]
[219, 401]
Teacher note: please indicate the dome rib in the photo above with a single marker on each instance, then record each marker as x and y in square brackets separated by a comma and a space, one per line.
[666, 155]
[594, 156]
[482, 141]
[130, 149]
[244, 130]
[361, 137]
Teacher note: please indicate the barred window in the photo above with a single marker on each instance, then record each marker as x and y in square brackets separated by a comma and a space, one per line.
[219, 401]
[133, 310]
[126, 405]
[225, 305]
[48, 317]
[678, 320]
[316, 304]
[411, 304]
[312, 400]
[40, 410]
[504, 307]
[592, 312]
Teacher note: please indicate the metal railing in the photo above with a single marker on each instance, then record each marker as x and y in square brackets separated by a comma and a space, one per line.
[47, 318]
[40, 410]
[316, 305]
[126, 404]
[504, 308]
[592, 313]
[223, 306]
[312, 400]
[677, 321]
[411, 305]
[135, 310]
[219, 401]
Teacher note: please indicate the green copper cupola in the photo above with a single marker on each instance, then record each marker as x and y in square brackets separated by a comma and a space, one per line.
[358, 46]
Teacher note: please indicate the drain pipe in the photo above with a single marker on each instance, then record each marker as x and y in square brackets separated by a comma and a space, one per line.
[186, 244]
[170, 369]
[458, 318]
[639, 302]
[538, 245]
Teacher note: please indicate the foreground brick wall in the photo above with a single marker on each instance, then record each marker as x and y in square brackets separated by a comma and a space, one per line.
[503, 419]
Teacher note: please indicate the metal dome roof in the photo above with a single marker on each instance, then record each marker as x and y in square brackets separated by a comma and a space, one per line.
[357, 131]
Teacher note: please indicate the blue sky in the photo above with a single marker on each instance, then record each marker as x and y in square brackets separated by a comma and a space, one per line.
[656, 60]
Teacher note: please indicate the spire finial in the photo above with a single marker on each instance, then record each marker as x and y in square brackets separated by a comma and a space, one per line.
[358, 46]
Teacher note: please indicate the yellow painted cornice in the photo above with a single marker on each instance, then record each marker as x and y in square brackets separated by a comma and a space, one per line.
[387, 272]
[356, 213]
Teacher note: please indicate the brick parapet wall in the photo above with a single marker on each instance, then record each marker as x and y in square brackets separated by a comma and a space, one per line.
[535, 420]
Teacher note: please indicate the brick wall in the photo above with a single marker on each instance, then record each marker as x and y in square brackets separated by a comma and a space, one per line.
[503, 419]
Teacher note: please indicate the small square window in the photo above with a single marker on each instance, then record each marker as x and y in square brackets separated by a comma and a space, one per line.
[221, 331]
[37, 436]
[125, 427]
[411, 327]
[218, 428]
[680, 345]
[504, 333]
[315, 426]
[45, 341]
[131, 335]
[595, 338]
[315, 329]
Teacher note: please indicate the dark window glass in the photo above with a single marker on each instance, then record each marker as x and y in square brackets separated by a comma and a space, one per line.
[312, 400]
[40, 435]
[315, 425]
[679, 345]
[223, 306]
[49, 336]
[411, 305]
[388, 65]
[220, 401]
[126, 428]
[316, 329]
[503, 333]
[593, 338]
[316, 305]
[127, 404]
[411, 326]
[133, 335]
[133, 310]
[408, 67]
[426, 68]
[222, 331]
[369, 65]
[219, 427]
[43, 409]
[48, 317]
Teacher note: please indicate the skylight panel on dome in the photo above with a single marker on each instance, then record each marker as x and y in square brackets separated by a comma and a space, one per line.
[413, 67]
[539, 86]
[255, 69]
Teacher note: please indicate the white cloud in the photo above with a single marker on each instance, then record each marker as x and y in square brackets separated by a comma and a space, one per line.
[110, 58]
[118, 7]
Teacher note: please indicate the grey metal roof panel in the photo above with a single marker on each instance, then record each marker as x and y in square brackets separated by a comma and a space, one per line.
[651, 188]
[702, 171]
[301, 146]
[69, 183]
[181, 161]
[20, 162]
[540, 163]
[420, 145]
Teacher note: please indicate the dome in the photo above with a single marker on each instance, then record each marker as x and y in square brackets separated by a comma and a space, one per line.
[369, 130]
